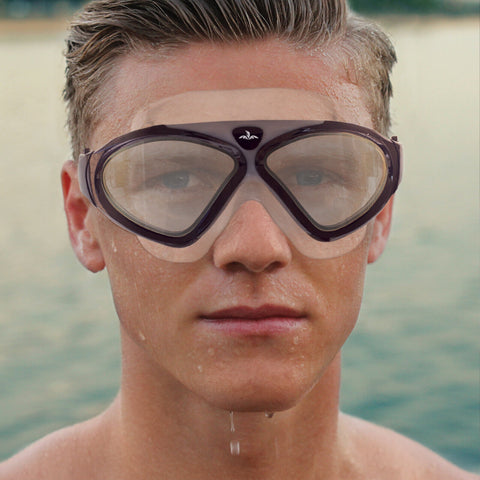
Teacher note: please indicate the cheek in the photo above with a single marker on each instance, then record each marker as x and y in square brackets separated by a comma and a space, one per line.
[345, 300]
[144, 289]
[339, 284]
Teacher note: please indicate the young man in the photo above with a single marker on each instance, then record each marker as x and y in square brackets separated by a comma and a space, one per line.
[231, 175]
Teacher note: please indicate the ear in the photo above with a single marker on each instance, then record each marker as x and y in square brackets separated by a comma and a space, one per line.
[381, 230]
[78, 212]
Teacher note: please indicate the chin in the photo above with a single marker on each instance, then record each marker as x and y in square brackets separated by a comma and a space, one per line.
[258, 384]
[259, 395]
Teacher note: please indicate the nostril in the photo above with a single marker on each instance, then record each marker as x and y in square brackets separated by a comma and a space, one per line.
[234, 267]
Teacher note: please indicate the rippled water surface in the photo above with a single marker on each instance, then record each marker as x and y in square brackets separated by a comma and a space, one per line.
[412, 363]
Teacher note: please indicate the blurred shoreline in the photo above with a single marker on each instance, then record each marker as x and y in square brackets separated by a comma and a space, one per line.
[36, 25]
[32, 26]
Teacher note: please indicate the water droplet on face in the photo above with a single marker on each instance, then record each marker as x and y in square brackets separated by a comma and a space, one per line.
[269, 414]
[141, 336]
[114, 247]
[232, 426]
[200, 368]
[235, 447]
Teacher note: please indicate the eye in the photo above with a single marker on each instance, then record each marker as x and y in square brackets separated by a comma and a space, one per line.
[174, 180]
[308, 178]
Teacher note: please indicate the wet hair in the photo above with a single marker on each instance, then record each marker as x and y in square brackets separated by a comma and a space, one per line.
[106, 30]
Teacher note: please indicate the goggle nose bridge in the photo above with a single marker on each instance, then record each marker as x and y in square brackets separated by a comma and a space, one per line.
[253, 186]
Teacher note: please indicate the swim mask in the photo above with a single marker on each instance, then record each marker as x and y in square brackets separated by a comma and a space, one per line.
[177, 186]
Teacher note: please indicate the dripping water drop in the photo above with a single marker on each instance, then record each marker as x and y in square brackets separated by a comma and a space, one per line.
[235, 447]
[232, 425]
[269, 414]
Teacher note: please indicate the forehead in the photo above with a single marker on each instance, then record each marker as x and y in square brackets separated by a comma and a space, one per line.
[209, 82]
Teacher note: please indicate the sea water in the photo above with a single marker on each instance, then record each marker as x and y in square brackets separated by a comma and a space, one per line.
[412, 362]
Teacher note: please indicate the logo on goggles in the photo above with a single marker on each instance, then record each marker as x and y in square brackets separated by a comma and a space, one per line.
[248, 137]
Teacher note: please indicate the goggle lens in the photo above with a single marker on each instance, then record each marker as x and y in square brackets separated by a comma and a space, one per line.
[334, 177]
[166, 186]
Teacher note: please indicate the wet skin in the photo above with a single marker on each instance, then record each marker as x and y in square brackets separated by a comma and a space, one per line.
[164, 307]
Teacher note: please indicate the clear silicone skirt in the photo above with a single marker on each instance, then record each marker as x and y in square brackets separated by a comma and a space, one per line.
[178, 186]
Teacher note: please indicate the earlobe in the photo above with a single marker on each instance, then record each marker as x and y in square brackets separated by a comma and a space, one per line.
[77, 208]
[381, 230]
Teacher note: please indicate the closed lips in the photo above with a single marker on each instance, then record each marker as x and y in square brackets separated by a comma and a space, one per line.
[249, 313]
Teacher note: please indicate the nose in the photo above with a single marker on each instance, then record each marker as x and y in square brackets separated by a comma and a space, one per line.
[252, 240]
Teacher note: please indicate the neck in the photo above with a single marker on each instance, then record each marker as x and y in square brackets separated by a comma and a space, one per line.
[157, 427]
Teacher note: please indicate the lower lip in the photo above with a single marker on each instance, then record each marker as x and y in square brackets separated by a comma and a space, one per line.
[260, 327]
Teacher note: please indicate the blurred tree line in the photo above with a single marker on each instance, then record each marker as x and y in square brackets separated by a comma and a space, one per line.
[394, 5]
[39, 8]
[415, 6]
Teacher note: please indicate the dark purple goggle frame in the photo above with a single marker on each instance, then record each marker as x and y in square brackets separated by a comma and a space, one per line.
[225, 137]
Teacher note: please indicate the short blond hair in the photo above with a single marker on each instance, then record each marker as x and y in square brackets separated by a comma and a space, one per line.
[106, 30]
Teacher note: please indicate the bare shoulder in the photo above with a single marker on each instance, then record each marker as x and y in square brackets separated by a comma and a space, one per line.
[63, 454]
[382, 453]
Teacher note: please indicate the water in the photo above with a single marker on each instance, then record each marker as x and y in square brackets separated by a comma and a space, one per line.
[411, 364]
[232, 424]
[235, 447]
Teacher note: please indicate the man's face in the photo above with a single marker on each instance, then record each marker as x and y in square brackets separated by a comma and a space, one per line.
[186, 321]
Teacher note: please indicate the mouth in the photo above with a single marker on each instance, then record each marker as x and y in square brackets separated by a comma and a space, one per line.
[264, 321]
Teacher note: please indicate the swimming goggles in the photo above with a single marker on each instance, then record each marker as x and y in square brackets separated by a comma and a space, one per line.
[177, 187]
